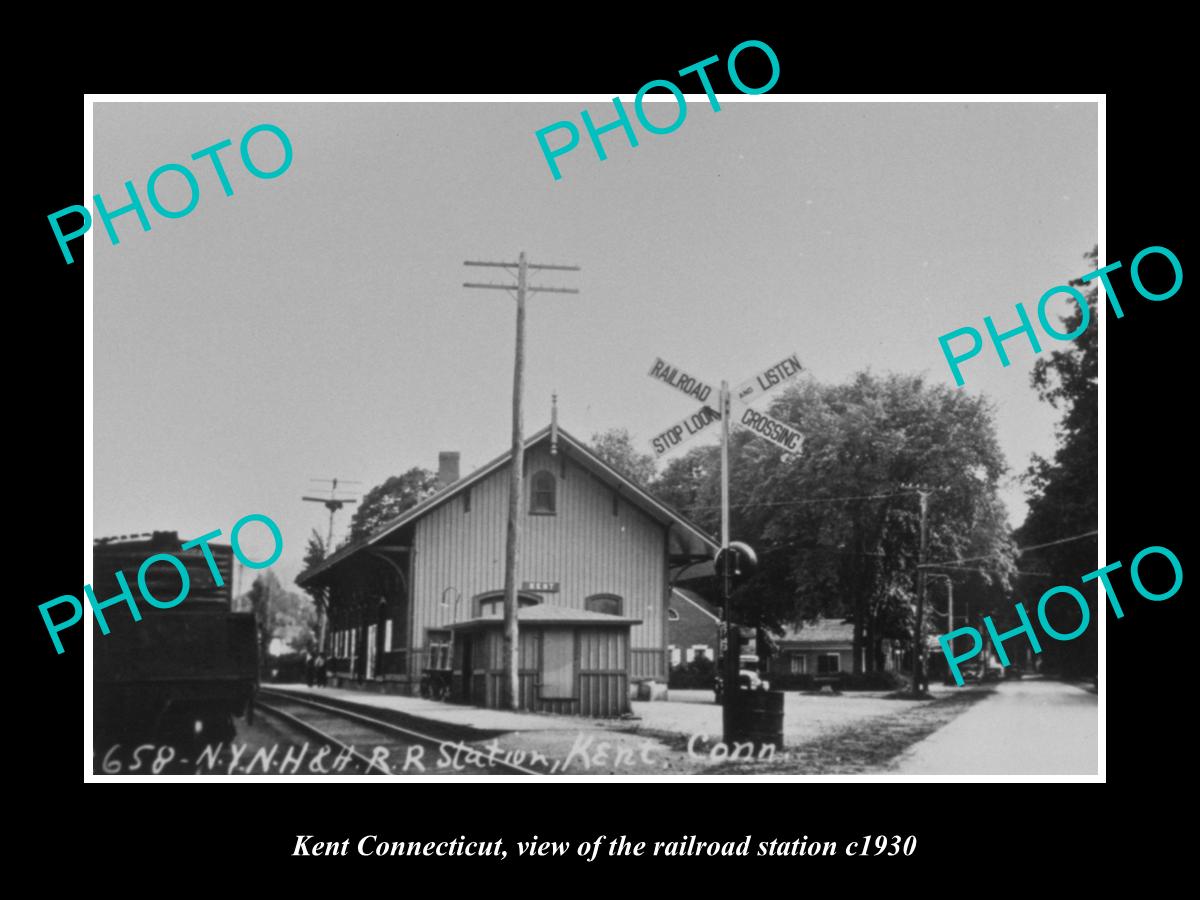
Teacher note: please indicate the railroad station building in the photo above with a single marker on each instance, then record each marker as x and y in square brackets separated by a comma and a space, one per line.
[425, 591]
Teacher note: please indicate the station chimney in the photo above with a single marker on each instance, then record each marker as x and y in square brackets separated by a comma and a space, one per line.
[447, 468]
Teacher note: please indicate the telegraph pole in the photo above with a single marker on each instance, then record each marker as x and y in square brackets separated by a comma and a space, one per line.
[516, 494]
[733, 635]
[333, 503]
[918, 637]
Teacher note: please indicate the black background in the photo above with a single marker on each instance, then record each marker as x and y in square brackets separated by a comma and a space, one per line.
[967, 832]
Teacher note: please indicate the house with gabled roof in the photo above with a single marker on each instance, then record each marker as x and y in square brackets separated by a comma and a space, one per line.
[424, 593]
[822, 647]
[819, 647]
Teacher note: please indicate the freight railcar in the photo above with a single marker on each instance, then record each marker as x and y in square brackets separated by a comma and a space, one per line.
[180, 675]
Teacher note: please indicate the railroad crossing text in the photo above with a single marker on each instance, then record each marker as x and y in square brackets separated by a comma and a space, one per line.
[693, 387]
[772, 429]
[764, 381]
[692, 425]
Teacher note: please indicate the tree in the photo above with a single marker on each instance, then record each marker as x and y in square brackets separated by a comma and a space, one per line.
[314, 552]
[1063, 491]
[386, 501]
[691, 483]
[851, 527]
[278, 613]
[616, 448]
[836, 533]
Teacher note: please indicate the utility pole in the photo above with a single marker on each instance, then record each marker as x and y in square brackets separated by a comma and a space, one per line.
[949, 598]
[333, 503]
[733, 634]
[733, 553]
[918, 650]
[516, 494]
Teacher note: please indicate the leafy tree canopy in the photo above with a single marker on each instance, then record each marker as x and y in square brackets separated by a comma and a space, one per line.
[278, 613]
[836, 532]
[1063, 490]
[385, 501]
[616, 448]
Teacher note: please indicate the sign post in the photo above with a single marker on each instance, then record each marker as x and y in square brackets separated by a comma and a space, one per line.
[778, 433]
[733, 644]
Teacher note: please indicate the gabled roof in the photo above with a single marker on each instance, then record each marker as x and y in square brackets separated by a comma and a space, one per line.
[696, 600]
[822, 631]
[696, 539]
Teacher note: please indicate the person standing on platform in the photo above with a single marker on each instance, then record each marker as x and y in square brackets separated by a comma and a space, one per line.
[320, 664]
[310, 665]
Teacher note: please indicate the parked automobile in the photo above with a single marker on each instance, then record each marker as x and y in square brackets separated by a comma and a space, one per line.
[748, 680]
[968, 672]
[975, 671]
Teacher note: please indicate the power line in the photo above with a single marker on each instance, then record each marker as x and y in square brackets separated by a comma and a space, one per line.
[820, 549]
[1077, 537]
[1020, 550]
[982, 571]
[803, 502]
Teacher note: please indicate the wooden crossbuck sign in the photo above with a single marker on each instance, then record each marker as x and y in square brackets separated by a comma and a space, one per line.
[681, 381]
[684, 429]
[779, 434]
[768, 379]
[759, 385]
[766, 427]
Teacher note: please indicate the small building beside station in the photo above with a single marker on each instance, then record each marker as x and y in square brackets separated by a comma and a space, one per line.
[572, 661]
[693, 627]
[424, 593]
[820, 647]
[824, 647]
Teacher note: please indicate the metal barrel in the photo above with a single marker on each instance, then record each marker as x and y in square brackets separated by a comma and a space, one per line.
[755, 716]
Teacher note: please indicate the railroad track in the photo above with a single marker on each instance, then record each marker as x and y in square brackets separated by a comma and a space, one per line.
[362, 744]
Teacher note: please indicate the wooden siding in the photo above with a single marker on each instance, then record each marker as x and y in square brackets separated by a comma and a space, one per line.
[646, 664]
[601, 682]
[584, 547]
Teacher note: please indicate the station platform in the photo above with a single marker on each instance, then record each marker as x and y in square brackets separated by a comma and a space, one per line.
[478, 718]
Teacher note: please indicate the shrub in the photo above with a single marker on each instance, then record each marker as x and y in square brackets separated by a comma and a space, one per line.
[699, 673]
[870, 681]
[286, 668]
[845, 681]
[789, 681]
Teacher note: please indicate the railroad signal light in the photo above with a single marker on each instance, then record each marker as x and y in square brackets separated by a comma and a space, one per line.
[739, 558]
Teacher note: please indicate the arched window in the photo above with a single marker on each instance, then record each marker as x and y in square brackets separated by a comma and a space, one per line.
[603, 603]
[672, 615]
[542, 494]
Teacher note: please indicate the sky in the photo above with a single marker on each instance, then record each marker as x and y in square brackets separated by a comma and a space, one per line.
[315, 325]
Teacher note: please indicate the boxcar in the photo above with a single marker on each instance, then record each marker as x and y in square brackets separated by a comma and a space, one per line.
[179, 675]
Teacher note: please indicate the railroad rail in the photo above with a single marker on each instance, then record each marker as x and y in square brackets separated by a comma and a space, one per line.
[394, 749]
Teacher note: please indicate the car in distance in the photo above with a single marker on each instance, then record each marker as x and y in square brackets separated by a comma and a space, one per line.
[748, 680]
